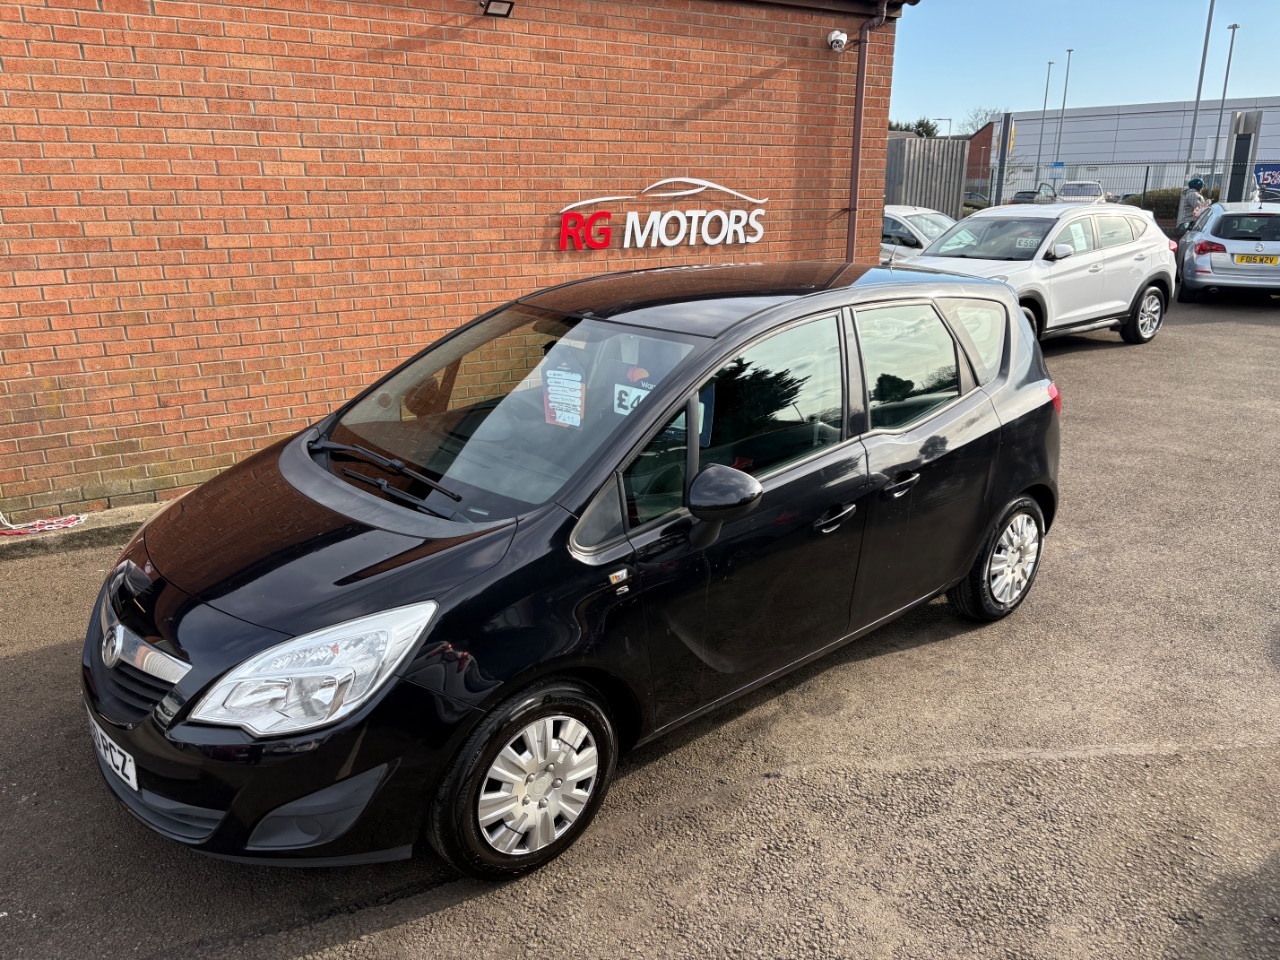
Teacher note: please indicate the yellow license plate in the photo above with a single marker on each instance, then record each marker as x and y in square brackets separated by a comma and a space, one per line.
[1252, 258]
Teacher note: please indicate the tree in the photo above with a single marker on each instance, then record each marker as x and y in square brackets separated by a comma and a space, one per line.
[979, 117]
[924, 126]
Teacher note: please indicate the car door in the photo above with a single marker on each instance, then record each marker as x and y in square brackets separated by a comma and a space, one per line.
[1126, 263]
[1076, 283]
[775, 585]
[931, 446]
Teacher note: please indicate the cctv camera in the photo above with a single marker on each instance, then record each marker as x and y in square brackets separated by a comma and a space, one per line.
[837, 40]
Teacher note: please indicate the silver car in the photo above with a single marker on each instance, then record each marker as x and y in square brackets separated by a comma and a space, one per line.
[1230, 245]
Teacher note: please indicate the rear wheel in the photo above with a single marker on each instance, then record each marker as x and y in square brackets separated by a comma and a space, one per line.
[1145, 318]
[527, 783]
[1006, 567]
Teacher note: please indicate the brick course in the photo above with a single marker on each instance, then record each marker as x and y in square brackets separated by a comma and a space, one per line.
[219, 220]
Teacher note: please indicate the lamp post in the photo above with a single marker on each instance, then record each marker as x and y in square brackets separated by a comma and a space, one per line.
[1044, 108]
[1222, 106]
[940, 119]
[1195, 113]
[1057, 149]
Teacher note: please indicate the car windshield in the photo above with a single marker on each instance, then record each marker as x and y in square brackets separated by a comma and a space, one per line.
[502, 415]
[1253, 226]
[992, 238]
[932, 225]
[1080, 190]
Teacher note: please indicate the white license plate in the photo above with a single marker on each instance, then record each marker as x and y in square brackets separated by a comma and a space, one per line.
[117, 761]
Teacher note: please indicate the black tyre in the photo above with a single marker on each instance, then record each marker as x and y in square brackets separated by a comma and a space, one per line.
[1032, 313]
[527, 783]
[1007, 564]
[1146, 317]
[1187, 294]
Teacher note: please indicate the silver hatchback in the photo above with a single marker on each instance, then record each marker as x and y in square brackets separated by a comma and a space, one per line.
[1231, 245]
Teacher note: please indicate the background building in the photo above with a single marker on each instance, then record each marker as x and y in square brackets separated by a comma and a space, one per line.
[217, 221]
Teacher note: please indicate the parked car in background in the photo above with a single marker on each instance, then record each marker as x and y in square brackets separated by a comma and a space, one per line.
[1082, 191]
[1041, 194]
[1075, 268]
[906, 230]
[440, 614]
[1230, 246]
[977, 200]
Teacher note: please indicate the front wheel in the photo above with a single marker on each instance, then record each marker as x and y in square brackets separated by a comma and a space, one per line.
[1145, 318]
[527, 782]
[1001, 577]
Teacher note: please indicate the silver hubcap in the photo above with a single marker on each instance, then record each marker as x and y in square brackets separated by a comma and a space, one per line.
[1014, 559]
[538, 785]
[1149, 315]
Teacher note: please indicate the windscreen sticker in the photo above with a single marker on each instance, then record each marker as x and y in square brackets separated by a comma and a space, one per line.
[626, 399]
[1026, 243]
[563, 399]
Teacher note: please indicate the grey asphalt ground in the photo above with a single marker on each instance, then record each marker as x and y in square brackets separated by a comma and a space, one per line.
[1095, 777]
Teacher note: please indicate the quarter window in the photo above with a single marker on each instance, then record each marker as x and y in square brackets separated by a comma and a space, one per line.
[1078, 234]
[910, 363]
[984, 321]
[777, 402]
[654, 482]
[1114, 231]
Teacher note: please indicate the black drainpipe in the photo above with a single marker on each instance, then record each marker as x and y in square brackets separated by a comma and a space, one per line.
[855, 163]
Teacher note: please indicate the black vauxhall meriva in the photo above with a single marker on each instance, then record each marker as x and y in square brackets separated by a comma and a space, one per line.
[560, 531]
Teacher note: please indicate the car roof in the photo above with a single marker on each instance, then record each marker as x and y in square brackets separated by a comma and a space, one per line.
[1048, 211]
[1249, 206]
[903, 209]
[708, 300]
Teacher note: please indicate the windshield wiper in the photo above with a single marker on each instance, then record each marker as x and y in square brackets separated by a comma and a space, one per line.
[397, 494]
[398, 466]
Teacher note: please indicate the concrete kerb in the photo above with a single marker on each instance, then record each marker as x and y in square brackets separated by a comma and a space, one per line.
[99, 529]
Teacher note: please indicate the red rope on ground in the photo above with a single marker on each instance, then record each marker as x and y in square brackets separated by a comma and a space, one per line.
[39, 526]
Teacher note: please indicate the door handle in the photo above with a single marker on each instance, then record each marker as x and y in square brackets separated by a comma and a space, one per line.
[901, 484]
[1141, 256]
[827, 524]
[1096, 268]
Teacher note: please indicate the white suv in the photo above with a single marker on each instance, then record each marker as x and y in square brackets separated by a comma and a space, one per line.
[1075, 268]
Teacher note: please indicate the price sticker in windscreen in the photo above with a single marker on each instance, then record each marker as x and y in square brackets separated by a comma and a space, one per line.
[563, 400]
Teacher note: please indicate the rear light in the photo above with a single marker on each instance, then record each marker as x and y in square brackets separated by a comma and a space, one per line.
[1056, 396]
[1209, 246]
[1173, 245]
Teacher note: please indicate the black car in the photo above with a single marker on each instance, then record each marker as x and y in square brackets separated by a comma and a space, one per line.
[562, 530]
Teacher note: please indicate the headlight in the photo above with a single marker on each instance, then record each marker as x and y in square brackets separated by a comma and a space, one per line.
[315, 679]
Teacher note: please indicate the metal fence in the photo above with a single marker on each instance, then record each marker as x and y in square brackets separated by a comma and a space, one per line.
[1155, 185]
[926, 172]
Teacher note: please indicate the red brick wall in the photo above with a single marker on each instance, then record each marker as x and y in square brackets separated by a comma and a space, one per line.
[218, 220]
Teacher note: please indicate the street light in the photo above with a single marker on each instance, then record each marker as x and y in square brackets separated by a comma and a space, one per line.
[1044, 108]
[940, 119]
[1222, 106]
[1195, 114]
[1057, 150]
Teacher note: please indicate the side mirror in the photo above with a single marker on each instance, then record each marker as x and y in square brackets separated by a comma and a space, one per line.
[1181, 229]
[720, 494]
[1062, 250]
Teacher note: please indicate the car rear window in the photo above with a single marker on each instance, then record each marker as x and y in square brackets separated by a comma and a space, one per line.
[985, 322]
[1250, 226]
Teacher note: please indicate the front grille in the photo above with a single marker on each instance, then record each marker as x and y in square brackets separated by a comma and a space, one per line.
[181, 821]
[137, 692]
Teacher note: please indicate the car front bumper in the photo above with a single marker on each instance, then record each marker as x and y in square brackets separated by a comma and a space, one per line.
[355, 792]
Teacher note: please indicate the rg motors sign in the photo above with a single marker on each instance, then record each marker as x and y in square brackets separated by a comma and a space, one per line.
[667, 216]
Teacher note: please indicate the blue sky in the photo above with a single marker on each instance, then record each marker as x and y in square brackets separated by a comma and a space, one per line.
[953, 55]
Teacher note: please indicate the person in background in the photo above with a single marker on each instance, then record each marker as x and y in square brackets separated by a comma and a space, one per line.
[1192, 200]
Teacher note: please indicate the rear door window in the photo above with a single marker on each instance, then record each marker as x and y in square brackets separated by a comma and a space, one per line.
[985, 322]
[910, 363]
[1114, 231]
